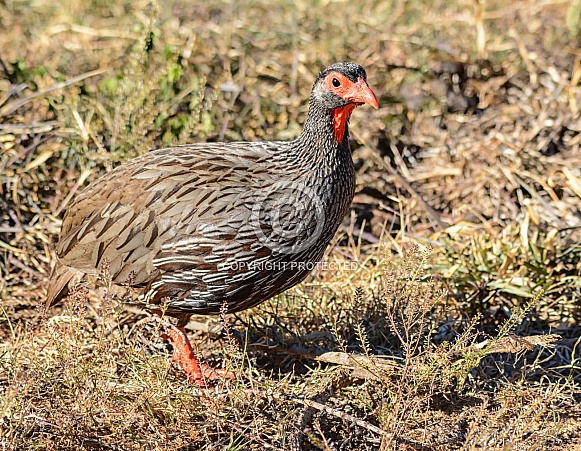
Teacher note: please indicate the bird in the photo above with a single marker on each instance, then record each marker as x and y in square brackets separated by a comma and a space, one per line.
[218, 227]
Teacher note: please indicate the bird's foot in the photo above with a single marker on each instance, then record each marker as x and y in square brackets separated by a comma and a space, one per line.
[198, 373]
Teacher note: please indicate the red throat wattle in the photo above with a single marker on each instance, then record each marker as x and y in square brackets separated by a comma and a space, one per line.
[340, 119]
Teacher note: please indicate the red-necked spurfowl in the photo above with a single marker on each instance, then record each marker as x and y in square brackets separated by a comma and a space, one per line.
[211, 226]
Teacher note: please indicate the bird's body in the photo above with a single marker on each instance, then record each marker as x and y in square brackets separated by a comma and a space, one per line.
[182, 223]
[210, 225]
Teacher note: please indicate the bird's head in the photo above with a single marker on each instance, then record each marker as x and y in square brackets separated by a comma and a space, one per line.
[341, 88]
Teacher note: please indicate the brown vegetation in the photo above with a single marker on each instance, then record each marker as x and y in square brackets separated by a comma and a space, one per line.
[452, 321]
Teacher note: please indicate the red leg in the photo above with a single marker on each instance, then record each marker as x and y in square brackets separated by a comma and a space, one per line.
[198, 373]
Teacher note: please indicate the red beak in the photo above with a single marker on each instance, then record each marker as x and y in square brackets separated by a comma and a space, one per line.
[362, 93]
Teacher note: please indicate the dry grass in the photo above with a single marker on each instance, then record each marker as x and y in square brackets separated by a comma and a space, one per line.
[458, 262]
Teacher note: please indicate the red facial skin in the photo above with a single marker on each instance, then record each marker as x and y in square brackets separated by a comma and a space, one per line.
[359, 93]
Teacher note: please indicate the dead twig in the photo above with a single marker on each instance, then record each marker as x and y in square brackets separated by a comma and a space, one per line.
[335, 412]
[378, 367]
[512, 344]
[11, 107]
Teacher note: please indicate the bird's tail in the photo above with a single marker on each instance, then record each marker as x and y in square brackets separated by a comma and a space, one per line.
[59, 283]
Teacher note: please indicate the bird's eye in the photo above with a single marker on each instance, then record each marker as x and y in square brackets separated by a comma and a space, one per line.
[336, 83]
